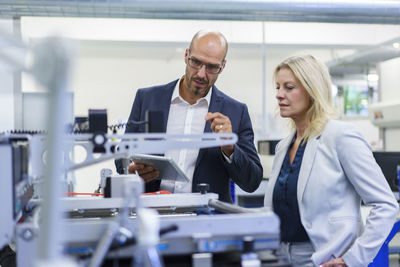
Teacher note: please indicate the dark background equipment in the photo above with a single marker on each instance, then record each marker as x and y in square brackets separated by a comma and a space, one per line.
[390, 165]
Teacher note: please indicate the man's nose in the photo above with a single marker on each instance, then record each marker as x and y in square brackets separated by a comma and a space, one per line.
[202, 71]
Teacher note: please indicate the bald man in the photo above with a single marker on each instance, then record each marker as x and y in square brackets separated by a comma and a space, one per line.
[194, 105]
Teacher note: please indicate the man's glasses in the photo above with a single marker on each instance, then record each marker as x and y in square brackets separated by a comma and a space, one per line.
[210, 68]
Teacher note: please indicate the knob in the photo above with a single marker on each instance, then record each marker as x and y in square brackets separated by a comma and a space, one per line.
[203, 188]
[248, 244]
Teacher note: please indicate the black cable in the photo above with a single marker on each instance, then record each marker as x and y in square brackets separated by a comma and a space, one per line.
[168, 229]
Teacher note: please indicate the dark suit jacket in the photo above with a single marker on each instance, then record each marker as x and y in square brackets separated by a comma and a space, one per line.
[211, 167]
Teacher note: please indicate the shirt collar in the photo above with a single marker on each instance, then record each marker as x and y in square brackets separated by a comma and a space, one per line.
[176, 96]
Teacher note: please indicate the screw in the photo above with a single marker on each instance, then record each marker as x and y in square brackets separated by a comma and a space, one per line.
[27, 235]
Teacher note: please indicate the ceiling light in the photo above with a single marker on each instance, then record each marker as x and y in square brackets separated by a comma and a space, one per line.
[396, 45]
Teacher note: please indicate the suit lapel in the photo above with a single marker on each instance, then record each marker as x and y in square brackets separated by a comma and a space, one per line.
[164, 102]
[216, 104]
[306, 166]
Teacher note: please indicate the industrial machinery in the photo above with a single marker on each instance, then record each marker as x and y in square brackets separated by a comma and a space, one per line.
[194, 228]
[49, 230]
[16, 185]
[384, 115]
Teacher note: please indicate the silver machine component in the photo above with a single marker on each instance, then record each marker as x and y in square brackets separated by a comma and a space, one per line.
[90, 239]
[16, 186]
[8, 222]
[182, 200]
[194, 234]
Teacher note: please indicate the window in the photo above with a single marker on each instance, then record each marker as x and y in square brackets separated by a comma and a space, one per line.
[352, 97]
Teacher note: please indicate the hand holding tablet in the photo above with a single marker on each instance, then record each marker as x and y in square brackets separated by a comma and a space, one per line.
[151, 167]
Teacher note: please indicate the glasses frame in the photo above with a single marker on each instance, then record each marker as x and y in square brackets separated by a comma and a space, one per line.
[190, 58]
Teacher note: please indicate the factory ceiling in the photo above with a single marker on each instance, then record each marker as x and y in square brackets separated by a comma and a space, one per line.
[350, 11]
[362, 61]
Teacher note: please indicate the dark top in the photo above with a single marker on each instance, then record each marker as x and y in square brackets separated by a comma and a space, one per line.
[285, 198]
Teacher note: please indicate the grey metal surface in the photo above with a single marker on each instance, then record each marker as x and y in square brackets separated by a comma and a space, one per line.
[15, 185]
[195, 234]
[202, 260]
[133, 143]
[214, 233]
[7, 221]
[230, 208]
[27, 237]
[369, 11]
[165, 200]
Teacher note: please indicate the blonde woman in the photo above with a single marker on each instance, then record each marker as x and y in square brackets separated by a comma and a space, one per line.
[320, 174]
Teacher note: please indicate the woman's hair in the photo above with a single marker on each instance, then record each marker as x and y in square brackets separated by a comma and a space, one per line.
[315, 78]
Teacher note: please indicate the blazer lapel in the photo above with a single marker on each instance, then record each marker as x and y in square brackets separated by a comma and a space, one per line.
[277, 165]
[306, 166]
[216, 104]
[164, 102]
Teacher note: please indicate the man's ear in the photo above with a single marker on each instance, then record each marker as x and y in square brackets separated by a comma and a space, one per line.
[223, 65]
[186, 55]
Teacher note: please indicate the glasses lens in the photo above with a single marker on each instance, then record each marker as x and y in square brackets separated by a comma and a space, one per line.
[195, 63]
[214, 69]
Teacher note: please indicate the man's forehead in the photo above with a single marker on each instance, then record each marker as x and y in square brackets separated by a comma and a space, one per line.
[210, 55]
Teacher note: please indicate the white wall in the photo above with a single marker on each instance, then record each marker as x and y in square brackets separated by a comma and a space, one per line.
[6, 101]
[7, 83]
[249, 32]
[110, 77]
[389, 72]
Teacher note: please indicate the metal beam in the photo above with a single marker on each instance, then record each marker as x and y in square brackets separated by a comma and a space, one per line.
[351, 11]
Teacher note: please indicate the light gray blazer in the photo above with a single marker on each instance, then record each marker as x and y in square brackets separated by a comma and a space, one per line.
[337, 172]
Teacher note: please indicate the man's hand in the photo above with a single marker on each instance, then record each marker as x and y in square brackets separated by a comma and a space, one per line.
[146, 172]
[221, 124]
[339, 262]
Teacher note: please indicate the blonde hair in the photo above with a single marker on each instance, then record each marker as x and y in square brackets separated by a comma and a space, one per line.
[314, 77]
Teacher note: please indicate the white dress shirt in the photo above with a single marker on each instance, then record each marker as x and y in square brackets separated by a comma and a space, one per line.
[185, 118]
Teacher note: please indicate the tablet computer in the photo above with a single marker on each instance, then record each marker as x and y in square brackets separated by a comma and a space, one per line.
[169, 170]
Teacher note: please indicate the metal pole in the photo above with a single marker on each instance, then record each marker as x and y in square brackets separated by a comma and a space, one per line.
[230, 208]
[264, 89]
[51, 68]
